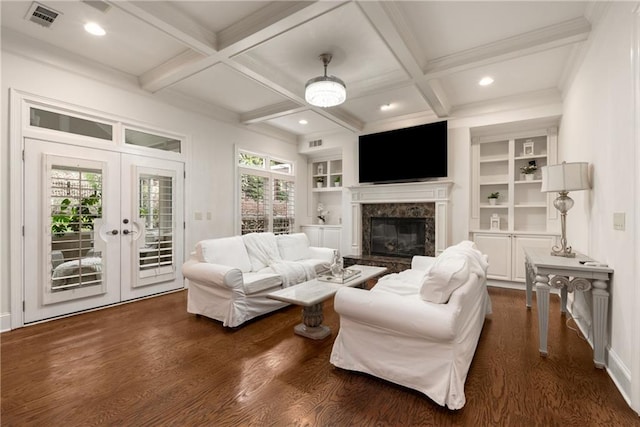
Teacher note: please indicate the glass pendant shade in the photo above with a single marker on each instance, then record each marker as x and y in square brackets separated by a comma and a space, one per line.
[325, 91]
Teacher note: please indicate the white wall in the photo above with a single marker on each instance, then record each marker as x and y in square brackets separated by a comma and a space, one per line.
[210, 153]
[597, 127]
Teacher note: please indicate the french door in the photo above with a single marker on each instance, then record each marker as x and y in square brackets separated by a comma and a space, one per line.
[101, 227]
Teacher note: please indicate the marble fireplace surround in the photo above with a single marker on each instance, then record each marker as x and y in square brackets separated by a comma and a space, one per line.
[415, 199]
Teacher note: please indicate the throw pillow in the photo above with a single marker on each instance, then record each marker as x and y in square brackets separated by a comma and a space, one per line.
[293, 247]
[448, 272]
[229, 251]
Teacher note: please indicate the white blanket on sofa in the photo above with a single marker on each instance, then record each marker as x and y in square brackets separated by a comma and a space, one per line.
[293, 272]
[263, 252]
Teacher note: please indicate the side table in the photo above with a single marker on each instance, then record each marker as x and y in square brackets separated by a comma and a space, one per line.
[568, 275]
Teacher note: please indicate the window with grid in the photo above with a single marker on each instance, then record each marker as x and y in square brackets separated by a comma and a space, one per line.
[267, 194]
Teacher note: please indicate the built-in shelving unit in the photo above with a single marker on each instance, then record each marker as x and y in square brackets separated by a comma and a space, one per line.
[523, 215]
[327, 175]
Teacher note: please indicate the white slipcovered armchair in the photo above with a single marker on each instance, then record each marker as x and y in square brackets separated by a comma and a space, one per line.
[418, 328]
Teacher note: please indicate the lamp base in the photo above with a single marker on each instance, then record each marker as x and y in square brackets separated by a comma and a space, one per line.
[566, 255]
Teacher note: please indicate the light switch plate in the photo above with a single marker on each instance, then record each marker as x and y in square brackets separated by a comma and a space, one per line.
[618, 221]
[197, 216]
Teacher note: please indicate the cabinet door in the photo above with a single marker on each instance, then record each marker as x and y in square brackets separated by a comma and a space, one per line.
[313, 233]
[498, 248]
[519, 242]
[331, 238]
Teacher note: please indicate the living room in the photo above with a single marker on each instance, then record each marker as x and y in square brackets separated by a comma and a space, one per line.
[595, 105]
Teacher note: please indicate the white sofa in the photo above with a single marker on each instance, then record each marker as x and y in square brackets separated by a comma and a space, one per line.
[230, 277]
[418, 328]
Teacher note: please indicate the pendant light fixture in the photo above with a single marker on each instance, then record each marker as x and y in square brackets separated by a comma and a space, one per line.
[325, 91]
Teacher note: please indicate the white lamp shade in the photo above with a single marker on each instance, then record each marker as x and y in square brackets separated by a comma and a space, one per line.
[325, 91]
[565, 177]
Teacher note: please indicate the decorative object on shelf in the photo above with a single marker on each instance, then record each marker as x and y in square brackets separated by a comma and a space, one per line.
[322, 214]
[493, 197]
[527, 147]
[495, 222]
[336, 181]
[529, 170]
[319, 182]
[563, 178]
[325, 91]
[320, 169]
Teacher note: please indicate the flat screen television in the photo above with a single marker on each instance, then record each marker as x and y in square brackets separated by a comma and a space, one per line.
[415, 153]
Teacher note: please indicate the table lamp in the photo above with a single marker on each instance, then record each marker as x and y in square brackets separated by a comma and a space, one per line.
[563, 178]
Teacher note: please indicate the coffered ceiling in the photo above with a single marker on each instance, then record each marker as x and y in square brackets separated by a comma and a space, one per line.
[249, 60]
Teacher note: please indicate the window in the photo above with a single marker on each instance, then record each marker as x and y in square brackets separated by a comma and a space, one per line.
[267, 194]
[149, 140]
[70, 124]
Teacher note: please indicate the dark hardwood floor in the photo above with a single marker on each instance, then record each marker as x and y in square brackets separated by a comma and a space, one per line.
[150, 363]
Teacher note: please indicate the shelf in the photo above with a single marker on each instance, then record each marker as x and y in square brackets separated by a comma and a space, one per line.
[534, 181]
[494, 159]
[487, 206]
[505, 182]
[531, 157]
[532, 205]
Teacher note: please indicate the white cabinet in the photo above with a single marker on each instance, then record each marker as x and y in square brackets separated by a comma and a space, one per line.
[523, 215]
[327, 236]
[506, 257]
[498, 248]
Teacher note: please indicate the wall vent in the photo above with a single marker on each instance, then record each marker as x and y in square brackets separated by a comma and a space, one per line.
[102, 6]
[315, 143]
[42, 15]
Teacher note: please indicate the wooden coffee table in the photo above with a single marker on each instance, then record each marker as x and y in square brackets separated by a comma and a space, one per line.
[311, 295]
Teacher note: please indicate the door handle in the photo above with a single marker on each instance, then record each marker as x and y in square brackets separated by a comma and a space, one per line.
[125, 232]
[114, 232]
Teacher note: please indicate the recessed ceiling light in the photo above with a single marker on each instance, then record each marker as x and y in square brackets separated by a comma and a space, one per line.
[95, 29]
[303, 121]
[485, 81]
[386, 107]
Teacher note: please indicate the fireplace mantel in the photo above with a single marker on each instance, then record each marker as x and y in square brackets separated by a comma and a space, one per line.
[438, 192]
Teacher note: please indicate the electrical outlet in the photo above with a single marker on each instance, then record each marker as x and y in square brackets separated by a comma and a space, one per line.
[209, 216]
[618, 221]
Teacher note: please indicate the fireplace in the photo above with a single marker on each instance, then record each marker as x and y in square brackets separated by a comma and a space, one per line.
[401, 237]
[419, 201]
[398, 229]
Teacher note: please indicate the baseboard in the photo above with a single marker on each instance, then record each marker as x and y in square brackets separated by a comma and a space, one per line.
[617, 371]
[620, 374]
[5, 322]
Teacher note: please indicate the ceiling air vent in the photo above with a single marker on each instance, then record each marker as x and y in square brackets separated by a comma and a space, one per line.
[315, 143]
[42, 15]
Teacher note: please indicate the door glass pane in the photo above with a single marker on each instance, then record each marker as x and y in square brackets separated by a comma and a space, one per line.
[253, 203]
[156, 213]
[283, 206]
[75, 206]
[64, 123]
[149, 140]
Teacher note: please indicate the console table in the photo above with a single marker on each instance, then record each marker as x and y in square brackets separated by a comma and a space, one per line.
[568, 275]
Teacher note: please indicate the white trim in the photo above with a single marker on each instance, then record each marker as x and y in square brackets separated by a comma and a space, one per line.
[635, 71]
[19, 129]
[438, 192]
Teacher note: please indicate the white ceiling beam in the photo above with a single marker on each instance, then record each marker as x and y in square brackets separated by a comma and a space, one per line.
[281, 16]
[540, 40]
[272, 111]
[394, 31]
[173, 23]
